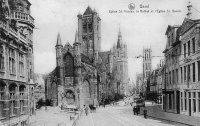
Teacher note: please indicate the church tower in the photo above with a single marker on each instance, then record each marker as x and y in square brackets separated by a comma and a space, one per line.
[89, 32]
[120, 64]
[147, 62]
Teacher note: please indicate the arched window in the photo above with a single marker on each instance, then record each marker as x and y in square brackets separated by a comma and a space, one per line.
[69, 65]
[23, 99]
[13, 98]
[1, 58]
[2, 99]
[21, 64]
[12, 61]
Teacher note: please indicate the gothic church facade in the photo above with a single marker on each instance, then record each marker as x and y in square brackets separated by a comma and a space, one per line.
[84, 75]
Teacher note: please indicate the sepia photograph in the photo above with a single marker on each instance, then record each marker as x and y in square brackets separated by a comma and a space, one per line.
[99, 63]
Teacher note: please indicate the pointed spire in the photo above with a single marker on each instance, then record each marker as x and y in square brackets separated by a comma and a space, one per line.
[88, 11]
[58, 40]
[76, 37]
[119, 41]
[189, 14]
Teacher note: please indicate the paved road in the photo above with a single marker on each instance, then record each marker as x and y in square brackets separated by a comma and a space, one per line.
[119, 116]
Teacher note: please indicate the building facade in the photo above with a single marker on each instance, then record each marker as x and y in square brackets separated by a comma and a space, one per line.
[16, 63]
[182, 90]
[84, 74]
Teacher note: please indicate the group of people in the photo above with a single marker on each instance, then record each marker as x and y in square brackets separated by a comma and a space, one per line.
[92, 108]
[136, 111]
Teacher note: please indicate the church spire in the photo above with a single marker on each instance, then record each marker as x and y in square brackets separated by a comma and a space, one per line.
[58, 40]
[119, 41]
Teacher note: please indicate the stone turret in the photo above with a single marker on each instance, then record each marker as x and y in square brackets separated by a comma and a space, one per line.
[59, 48]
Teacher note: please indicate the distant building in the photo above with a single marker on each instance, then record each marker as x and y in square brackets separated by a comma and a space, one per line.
[155, 82]
[139, 83]
[16, 63]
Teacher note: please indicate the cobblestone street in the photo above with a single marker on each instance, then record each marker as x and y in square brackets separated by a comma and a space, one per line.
[120, 116]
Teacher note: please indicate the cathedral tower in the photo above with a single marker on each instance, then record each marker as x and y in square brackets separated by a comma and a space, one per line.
[89, 32]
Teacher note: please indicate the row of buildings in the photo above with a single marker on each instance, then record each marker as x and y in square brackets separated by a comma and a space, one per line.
[182, 73]
[84, 73]
[175, 83]
[16, 63]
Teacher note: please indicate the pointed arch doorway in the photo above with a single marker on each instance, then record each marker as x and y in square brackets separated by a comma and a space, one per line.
[85, 94]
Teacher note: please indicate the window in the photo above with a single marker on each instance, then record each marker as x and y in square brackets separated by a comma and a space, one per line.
[181, 75]
[169, 77]
[84, 28]
[188, 73]
[2, 100]
[185, 73]
[184, 46]
[194, 101]
[198, 70]
[177, 76]
[1, 58]
[185, 101]
[12, 61]
[170, 101]
[199, 100]
[13, 105]
[168, 39]
[193, 75]
[23, 98]
[90, 27]
[173, 77]
[188, 48]
[21, 64]
[182, 101]
[193, 45]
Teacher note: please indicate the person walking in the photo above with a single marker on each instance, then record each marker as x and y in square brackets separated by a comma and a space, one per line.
[145, 113]
[134, 110]
[86, 110]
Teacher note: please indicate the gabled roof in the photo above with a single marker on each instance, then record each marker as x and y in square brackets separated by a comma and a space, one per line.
[88, 11]
[187, 24]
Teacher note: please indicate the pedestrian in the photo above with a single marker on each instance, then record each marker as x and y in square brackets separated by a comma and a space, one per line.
[86, 110]
[145, 113]
[134, 110]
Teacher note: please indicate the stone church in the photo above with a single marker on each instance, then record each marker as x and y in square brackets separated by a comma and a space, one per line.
[84, 74]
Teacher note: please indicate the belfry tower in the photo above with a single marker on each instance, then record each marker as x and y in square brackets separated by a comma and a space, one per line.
[89, 32]
[147, 61]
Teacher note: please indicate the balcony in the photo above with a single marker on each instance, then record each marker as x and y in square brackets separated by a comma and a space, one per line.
[22, 16]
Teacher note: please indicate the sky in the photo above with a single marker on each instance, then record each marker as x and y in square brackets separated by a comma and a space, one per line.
[139, 30]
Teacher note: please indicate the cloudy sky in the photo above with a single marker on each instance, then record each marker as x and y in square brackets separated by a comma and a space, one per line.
[139, 30]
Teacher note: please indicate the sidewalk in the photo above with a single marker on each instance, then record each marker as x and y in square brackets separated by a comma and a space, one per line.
[156, 112]
[53, 116]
